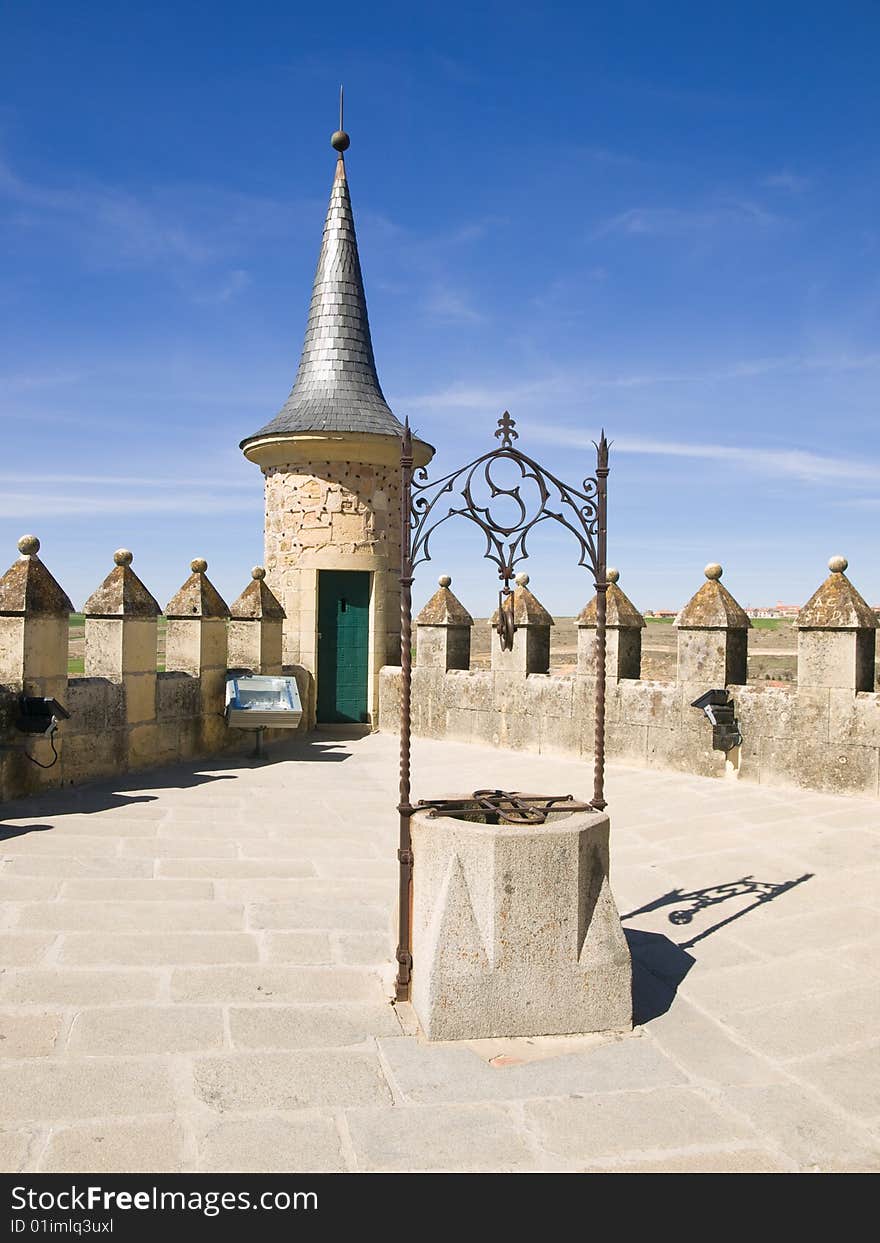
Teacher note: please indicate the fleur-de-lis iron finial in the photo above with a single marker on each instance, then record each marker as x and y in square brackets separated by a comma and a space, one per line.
[602, 447]
[505, 431]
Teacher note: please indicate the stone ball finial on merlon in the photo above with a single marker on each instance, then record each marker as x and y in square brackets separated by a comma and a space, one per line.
[198, 565]
[837, 564]
[522, 580]
[27, 589]
[258, 573]
[445, 580]
[713, 571]
[123, 556]
[611, 574]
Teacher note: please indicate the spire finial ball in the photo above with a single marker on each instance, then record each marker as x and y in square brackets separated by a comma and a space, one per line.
[29, 545]
[199, 565]
[123, 556]
[611, 574]
[445, 580]
[258, 573]
[340, 141]
[713, 571]
[522, 580]
[837, 564]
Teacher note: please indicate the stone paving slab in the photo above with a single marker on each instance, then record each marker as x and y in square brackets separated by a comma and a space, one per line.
[196, 974]
[273, 1143]
[614, 1124]
[147, 1146]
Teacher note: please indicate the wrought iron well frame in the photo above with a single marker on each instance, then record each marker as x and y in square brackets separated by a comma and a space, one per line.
[583, 511]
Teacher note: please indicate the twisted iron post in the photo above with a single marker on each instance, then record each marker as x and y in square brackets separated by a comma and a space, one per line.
[598, 800]
[404, 807]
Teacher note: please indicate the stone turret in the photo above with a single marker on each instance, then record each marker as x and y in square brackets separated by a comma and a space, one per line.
[623, 634]
[34, 616]
[443, 631]
[255, 627]
[34, 612]
[330, 459]
[837, 635]
[531, 637]
[121, 636]
[712, 636]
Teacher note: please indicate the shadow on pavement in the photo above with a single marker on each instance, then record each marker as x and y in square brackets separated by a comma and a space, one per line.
[660, 964]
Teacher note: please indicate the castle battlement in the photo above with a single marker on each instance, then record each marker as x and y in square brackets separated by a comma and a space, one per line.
[821, 732]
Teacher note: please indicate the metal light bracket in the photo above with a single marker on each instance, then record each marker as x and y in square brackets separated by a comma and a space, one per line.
[39, 715]
[720, 712]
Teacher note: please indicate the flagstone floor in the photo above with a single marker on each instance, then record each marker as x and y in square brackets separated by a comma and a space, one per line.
[196, 976]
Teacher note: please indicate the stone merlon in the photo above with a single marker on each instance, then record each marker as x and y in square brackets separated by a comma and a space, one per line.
[527, 609]
[122, 594]
[444, 608]
[27, 587]
[620, 612]
[713, 607]
[198, 597]
[837, 605]
[257, 602]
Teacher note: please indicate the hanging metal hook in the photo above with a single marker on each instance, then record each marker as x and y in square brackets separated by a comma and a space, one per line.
[505, 626]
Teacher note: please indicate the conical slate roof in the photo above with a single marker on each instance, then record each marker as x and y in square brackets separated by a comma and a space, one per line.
[336, 387]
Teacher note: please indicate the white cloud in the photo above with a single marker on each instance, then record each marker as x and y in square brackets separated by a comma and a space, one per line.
[575, 383]
[180, 224]
[133, 481]
[800, 464]
[684, 222]
[72, 494]
[25, 506]
[449, 304]
[787, 180]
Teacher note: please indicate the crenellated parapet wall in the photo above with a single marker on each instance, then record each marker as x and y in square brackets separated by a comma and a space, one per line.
[125, 714]
[822, 732]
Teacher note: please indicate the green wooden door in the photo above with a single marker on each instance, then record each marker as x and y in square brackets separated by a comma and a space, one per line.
[343, 644]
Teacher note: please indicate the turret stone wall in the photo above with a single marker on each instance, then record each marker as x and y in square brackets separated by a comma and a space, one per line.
[823, 732]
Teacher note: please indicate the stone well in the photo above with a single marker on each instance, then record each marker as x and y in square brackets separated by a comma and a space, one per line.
[515, 930]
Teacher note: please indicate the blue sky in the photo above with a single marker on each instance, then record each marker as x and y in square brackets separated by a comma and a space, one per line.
[657, 218]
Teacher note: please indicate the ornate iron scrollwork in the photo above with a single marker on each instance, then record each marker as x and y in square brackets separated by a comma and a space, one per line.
[475, 491]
